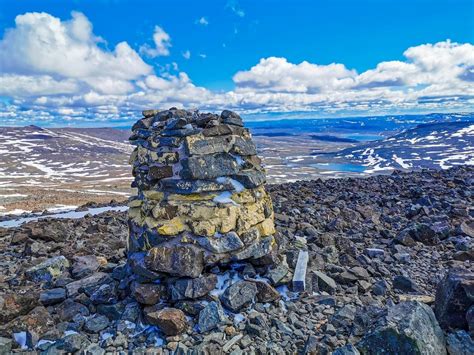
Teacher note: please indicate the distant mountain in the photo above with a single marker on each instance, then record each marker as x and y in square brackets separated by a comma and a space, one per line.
[54, 168]
[32, 154]
[433, 145]
[44, 168]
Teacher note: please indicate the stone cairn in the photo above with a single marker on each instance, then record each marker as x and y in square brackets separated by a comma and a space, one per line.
[201, 201]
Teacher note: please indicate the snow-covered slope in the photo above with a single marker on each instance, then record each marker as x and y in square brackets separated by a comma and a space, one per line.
[434, 145]
[52, 168]
[33, 155]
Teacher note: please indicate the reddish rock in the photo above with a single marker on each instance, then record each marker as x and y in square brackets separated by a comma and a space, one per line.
[266, 293]
[171, 321]
[148, 294]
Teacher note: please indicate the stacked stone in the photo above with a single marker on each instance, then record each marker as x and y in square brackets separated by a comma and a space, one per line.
[201, 199]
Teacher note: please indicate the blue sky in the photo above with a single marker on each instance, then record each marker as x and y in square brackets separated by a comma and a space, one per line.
[243, 54]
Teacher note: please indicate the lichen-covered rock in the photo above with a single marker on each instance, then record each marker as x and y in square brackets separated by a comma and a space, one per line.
[48, 269]
[407, 328]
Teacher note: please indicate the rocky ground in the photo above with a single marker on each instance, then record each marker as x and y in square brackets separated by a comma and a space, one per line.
[380, 249]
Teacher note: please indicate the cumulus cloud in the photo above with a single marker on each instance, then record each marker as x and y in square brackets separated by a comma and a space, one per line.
[278, 75]
[162, 42]
[186, 54]
[202, 21]
[441, 72]
[59, 69]
[234, 6]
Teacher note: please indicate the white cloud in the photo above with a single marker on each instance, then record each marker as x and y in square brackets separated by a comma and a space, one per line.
[235, 8]
[53, 68]
[433, 77]
[186, 54]
[278, 75]
[202, 21]
[162, 41]
[42, 44]
[203, 56]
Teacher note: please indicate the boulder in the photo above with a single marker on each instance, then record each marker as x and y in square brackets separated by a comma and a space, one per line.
[239, 295]
[231, 118]
[96, 323]
[324, 282]
[460, 343]
[68, 309]
[171, 321]
[5, 346]
[88, 284]
[52, 296]
[454, 297]
[48, 269]
[192, 288]
[84, 266]
[210, 317]
[179, 260]
[209, 166]
[148, 294]
[404, 283]
[266, 293]
[406, 328]
[222, 244]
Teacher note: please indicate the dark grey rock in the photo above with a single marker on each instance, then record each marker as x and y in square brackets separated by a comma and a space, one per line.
[222, 244]
[229, 117]
[179, 260]
[325, 283]
[380, 288]
[104, 294]
[407, 328]
[209, 166]
[344, 316]
[68, 309]
[194, 186]
[84, 266]
[88, 284]
[209, 145]
[5, 346]
[278, 273]
[160, 172]
[405, 284]
[96, 323]
[74, 342]
[256, 250]
[192, 288]
[239, 295]
[374, 252]
[460, 343]
[454, 297]
[250, 178]
[52, 296]
[211, 317]
[244, 146]
[348, 349]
